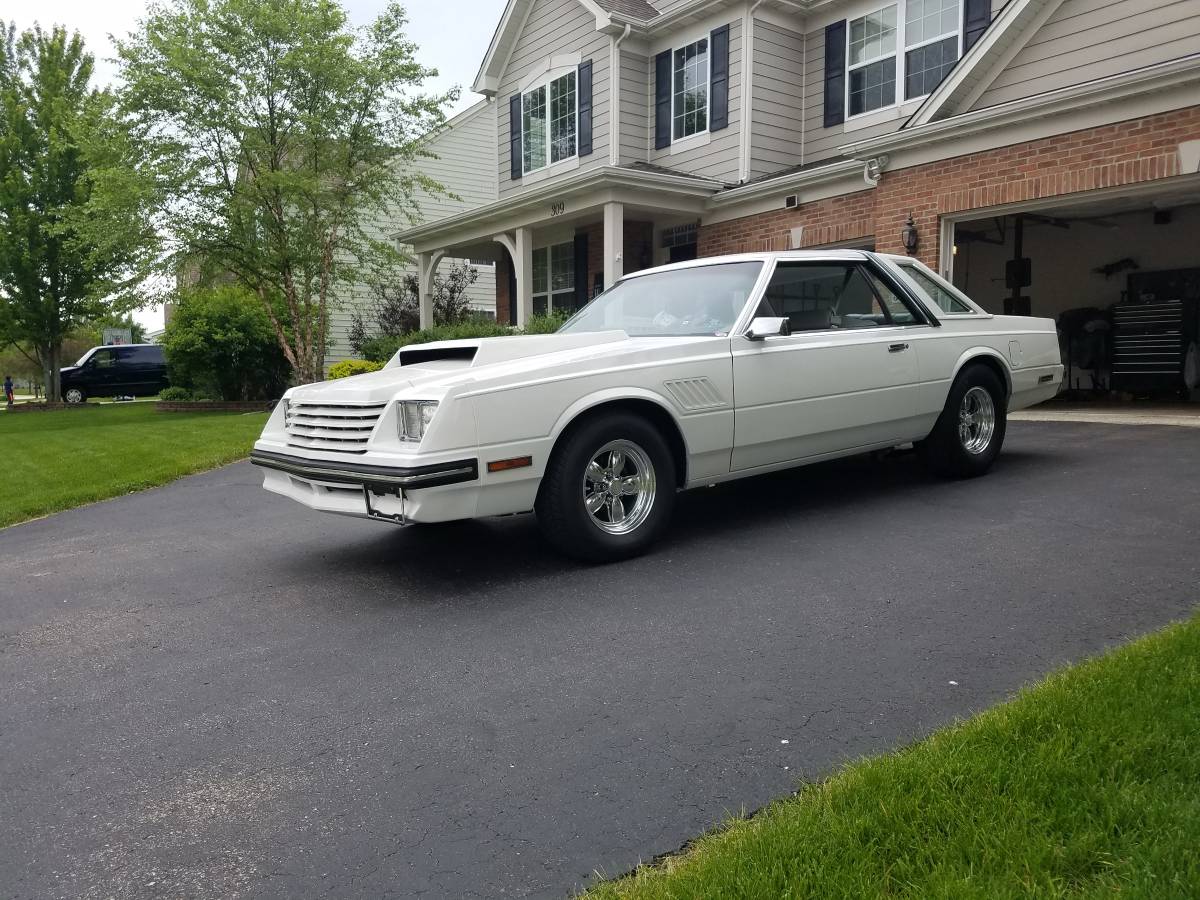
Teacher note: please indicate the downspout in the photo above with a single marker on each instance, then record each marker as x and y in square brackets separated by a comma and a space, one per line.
[614, 100]
[747, 87]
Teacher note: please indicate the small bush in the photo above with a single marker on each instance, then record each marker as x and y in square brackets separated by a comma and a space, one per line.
[176, 395]
[544, 324]
[220, 344]
[349, 367]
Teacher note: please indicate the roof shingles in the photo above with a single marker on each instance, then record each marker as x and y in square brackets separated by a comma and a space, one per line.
[634, 9]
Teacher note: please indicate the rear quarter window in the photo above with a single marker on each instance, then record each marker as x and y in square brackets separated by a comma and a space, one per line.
[945, 300]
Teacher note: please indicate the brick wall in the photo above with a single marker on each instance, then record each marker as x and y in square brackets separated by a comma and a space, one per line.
[1130, 152]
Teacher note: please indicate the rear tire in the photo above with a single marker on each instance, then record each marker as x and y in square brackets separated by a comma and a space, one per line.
[609, 488]
[970, 431]
[74, 395]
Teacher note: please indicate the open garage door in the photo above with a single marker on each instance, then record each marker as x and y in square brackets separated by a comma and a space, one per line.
[1120, 275]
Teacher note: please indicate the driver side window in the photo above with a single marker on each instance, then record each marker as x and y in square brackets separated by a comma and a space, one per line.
[821, 296]
[104, 359]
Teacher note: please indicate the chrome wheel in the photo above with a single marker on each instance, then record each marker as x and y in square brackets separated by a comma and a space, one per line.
[73, 395]
[976, 420]
[618, 487]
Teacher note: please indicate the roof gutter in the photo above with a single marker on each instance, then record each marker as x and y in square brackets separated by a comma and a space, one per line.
[605, 176]
[788, 181]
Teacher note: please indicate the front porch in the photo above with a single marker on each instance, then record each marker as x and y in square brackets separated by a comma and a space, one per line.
[556, 247]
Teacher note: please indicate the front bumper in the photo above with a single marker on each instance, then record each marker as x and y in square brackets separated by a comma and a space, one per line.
[379, 479]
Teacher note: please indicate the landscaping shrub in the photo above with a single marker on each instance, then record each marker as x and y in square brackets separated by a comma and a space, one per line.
[220, 344]
[175, 394]
[348, 367]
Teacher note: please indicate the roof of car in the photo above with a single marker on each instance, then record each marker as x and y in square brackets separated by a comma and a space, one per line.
[758, 257]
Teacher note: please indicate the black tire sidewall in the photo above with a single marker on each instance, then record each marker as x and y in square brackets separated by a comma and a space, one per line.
[944, 449]
[560, 509]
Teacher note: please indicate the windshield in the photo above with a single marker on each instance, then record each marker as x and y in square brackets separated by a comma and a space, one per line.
[86, 354]
[700, 300]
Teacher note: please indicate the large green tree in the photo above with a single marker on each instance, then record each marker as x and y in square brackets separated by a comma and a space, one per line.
[53, 277]
[277, 140]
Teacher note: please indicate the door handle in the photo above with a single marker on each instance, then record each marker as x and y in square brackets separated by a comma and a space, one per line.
[897, 348]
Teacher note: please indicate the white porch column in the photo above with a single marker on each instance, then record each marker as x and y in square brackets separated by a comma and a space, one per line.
[427, 264]
[614, 243]
[523, 267]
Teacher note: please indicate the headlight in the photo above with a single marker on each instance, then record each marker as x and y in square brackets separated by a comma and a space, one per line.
[415, 416]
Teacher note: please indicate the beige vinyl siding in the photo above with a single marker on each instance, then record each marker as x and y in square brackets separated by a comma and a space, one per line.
[719, 157]
[554, 27]
[1088, 39]
[821, 143]
[459, 166]
[776, 122]
[635, 107]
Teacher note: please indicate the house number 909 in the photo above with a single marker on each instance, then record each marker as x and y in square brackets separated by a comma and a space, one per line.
[557, 209]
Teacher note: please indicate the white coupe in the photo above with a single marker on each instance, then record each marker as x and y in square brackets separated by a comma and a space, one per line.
[674, 378]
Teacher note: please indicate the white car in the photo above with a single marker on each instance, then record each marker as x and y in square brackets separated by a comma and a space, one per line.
[676, 377]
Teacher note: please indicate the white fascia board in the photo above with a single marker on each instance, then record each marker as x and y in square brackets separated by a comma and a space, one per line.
[787, 182]
[602, 177]
[1157, 77]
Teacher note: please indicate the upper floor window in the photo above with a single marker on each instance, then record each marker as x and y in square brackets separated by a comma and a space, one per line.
[925, 42]
[549, 123]
[690, 106]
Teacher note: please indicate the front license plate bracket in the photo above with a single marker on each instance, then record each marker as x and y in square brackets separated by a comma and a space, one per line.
[372, 512]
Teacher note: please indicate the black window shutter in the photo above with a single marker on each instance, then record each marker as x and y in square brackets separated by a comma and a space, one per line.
[584, 89]
[514, 136]
[662, 100]
[718, 82]
[581, 269]
[835, 74]
[977, 15]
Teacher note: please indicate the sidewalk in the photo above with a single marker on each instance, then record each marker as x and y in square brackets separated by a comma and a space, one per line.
[1186, 415]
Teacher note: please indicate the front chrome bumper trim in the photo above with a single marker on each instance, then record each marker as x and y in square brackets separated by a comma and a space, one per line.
[381, 479]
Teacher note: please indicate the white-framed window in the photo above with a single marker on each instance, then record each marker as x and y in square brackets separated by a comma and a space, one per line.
[554, 278]
[871, 62]
[689, 94]
[884, 47]
[549, 123]
[932, 33]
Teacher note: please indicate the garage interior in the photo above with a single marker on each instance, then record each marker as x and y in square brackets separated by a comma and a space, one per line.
[1119, 274]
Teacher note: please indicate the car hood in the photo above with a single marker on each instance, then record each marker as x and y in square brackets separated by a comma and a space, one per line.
[68, 370]
[442, 365]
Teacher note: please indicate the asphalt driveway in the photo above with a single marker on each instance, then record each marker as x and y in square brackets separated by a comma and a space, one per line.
[208, 691]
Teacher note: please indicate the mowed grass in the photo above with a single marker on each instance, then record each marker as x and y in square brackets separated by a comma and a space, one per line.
[50, 461]
[1086, 785]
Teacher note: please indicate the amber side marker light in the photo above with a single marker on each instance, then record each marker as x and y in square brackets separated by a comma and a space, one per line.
[517, 462]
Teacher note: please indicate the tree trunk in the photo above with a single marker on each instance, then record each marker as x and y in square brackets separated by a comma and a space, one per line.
[51, 363]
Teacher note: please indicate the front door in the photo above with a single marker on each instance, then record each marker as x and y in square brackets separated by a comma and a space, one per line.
[846, 377]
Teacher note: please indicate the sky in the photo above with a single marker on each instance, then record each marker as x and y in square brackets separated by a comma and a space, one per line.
[452, 36]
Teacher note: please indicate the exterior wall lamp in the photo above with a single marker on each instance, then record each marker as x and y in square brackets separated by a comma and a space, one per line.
[910, 235]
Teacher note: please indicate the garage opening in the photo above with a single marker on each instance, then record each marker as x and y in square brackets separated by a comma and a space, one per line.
[1120, 276]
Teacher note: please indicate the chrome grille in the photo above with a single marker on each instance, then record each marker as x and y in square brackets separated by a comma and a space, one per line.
[340, 427]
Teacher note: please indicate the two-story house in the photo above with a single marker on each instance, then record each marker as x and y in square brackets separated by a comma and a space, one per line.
[1035, 144]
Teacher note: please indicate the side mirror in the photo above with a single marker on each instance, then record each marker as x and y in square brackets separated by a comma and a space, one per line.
[767, 326]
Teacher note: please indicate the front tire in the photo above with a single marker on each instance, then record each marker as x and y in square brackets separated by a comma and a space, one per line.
[609, 488]
[74, 395]
[970, 431]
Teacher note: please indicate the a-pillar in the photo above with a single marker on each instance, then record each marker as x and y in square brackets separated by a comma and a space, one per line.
[427, 264]
[614, 243]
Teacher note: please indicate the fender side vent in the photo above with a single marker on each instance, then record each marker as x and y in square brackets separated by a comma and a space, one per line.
[695, 393]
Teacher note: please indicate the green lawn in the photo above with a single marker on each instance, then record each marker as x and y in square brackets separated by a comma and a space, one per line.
[55, 460]
[1086, 785]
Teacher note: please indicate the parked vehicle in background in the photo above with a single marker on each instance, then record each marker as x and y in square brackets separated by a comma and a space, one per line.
[676, 377]
[123, 370]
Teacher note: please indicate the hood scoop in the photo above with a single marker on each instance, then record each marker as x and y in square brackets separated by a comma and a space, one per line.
[427, 353]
